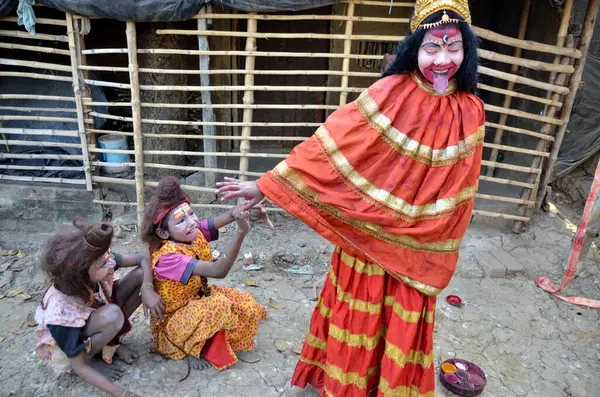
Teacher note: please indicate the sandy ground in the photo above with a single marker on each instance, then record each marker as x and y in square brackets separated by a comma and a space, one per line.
[528, 344]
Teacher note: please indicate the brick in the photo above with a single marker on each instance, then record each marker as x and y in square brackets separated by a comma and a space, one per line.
[512, 266]
[492, 267]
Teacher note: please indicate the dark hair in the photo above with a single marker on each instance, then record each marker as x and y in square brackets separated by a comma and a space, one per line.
[167, 194]
[408, 49]
[68, 257]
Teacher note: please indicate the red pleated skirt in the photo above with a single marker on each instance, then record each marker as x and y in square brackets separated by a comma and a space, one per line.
[370, 335]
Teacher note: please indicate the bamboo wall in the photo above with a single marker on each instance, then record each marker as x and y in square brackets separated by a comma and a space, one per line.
[351, 60]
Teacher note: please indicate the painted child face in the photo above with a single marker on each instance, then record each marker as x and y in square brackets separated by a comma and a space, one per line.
[441, 54]
[182, 224]
[103, 269]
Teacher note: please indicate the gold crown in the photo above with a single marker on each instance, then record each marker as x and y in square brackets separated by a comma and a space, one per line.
[426, 8]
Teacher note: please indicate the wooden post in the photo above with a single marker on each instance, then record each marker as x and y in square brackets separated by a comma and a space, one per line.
[584, 46]
[208, 115]
[77, 90]
[347, 50]
[560, 38]
[136, 112]
[248, 98]
[542, 146]
[235, 116]
[511, 85]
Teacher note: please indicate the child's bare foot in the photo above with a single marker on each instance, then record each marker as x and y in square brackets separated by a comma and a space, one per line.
[111, 371]
[126, 354]
[200, 364]
[248, 357]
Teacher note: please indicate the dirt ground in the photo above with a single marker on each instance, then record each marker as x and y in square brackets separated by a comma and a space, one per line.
[529, 344]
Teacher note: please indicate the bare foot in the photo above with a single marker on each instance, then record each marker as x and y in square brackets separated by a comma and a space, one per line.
[200, 364]
[111, 371]
[126, 354]
[248, 357]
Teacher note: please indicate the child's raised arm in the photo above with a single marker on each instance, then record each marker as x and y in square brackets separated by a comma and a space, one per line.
[152, 302]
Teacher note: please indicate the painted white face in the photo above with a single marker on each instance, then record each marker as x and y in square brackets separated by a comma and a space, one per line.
[441, 54]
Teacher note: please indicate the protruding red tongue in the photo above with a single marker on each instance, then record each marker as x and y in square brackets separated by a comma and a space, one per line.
[440, 82]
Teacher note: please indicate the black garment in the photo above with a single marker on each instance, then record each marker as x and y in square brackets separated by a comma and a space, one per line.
[69, 339]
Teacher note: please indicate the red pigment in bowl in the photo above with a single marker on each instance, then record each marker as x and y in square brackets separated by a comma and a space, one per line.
[451, 378]
[454, 300]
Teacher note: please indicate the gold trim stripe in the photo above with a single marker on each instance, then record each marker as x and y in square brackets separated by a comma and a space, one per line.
[345, 379]
[411, 148]
[415, 357]
[401, 391]
[356, 340]
[316, 342]
[325, 311]
[291, 179]
[384, 197]
[358, 265]
[366, 307]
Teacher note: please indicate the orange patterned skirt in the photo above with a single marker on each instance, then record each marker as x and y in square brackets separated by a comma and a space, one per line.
[217, 325]
[370, 335]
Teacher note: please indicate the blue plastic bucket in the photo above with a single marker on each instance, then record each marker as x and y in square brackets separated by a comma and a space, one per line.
[114, 142]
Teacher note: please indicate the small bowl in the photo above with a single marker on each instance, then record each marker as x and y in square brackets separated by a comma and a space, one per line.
[454, 300]
[448, 368]
[467, 382]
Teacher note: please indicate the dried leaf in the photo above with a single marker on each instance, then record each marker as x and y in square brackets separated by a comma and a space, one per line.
[14, 292]
[24, 296]
[276, 305]
[297, 348]
[2, 339]
[282, 346]
[3, 252]
[31, 320]
[13, 252]
[21, 254]
[250, 283]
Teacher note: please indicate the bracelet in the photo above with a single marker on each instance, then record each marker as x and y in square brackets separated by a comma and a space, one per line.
[227, 259]
[146, 284]
[87, 344]
[124, 394]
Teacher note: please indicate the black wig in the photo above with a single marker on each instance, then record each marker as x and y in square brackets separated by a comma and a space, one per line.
[408, 49]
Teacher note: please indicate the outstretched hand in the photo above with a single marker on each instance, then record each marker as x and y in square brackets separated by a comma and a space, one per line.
[260, 212]
[234, 188]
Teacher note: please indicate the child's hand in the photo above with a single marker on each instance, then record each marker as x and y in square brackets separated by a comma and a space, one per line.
[153, 304]
[260, 212]
[242, 219]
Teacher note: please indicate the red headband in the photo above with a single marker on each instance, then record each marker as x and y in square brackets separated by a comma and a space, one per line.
[161, 215]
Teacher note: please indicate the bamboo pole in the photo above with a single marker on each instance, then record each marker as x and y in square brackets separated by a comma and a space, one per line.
[37, 97]
[225, 137]
[561, 37]
[201, 123]
[38, 76]
[208, 116]
[547, 129]
[305, 17]
[14, 142]
[521, 131]
[42, 179]
[32, 131]
[39, 118]
[193, 205]
[504, 199]
[234, 71]
[347, 51]
[516, 61]
[502, 181]
[124, 133]
[180, 167]
[21, 156]
[38, 36]
[515, 94]
[518, 168]
[302, 36]
[29, 110]
[382, 3]
[219, 106]
[138, 140]
[516, 149]
[584, 46]
[522, 80]
[37, 49]
[235, 116]
[78, 89]
[119, 181]
[38, 21]
[35, 65]
[521, 114]
[189, 153]
[39, 167]
[511, 85]
[162, 51]
[526, 44]
[490, 214]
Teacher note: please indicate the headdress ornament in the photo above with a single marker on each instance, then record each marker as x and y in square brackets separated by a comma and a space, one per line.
[426, 8]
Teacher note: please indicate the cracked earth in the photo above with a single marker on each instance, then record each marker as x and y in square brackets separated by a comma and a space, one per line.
[529, 344]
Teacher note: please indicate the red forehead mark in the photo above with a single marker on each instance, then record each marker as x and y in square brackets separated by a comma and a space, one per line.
[441, 31]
